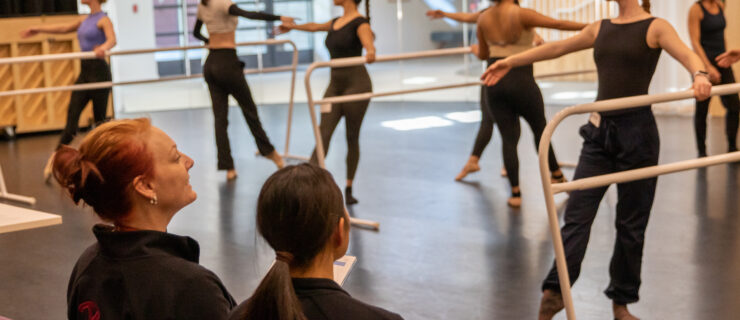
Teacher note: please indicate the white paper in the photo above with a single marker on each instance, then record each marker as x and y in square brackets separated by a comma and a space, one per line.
[342, 268]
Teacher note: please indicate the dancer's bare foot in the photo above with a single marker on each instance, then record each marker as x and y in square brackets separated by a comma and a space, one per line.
[231, 174]
[515, 201]
[48, 167]
[621, 312]
[276, 158]
[551, 304]
[470, 167]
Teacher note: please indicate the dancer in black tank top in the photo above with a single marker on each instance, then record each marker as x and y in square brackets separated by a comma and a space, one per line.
[346, 37]
[626, 51]
[707, 29]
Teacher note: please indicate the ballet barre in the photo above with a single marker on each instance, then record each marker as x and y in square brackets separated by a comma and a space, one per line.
[355, 61]
[604, 180]
[108, 84]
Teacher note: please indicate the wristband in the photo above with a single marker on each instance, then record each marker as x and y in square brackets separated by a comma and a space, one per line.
[702, 73]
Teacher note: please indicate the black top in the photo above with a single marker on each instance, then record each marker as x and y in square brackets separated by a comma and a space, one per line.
[144, 275]
[345, 43]
[324, 299]
[624, 62]
[712, 33]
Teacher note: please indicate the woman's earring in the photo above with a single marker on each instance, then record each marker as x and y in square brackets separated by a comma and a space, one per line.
[153, 200]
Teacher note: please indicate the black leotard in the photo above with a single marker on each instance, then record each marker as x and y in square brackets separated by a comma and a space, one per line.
[625, 65]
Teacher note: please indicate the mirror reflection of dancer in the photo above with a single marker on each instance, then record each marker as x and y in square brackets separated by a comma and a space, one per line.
[707, 29]
[224, 74]
[94, 33]
[346, 37]
[626, 52]
[504, 30]
[485, 130]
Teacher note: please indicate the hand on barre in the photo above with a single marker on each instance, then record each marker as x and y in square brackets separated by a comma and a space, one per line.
[728, 58]
[702, 88]
[100, 52]
[370, 57]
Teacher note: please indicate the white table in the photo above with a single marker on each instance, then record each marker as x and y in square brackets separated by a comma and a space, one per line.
[14, 218]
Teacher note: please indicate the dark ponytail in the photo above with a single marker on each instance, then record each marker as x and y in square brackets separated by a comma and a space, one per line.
[646, 5]
[297, 211]
[367, 8]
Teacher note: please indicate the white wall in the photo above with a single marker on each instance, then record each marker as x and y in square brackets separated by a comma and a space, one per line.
[671, 75]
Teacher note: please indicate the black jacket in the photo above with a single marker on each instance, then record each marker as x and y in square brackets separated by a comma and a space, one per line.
[324, 299]
[144, 275]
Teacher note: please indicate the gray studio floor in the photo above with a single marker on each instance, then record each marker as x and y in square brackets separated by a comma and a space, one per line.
[445, 250]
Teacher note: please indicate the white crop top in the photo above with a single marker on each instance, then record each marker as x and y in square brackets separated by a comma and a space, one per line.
[216, 16]
[523, 44]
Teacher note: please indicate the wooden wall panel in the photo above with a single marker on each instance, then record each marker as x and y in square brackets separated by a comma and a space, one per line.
[60, 73]
[38, 112]
[7, 107]
[31, 109]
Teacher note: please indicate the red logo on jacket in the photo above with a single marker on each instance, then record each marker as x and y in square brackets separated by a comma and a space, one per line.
[93, 312]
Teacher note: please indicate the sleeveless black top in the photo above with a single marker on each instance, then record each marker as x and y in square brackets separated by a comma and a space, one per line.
[712, 33]
[624, 62]
[345, 43]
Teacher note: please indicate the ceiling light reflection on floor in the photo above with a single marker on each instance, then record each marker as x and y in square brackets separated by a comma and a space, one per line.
[465, 116]
[545, 85]
[417, 123]
[419, 80]
[569, 95]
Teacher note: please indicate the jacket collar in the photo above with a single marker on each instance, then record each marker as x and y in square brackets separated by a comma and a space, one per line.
[143, 243]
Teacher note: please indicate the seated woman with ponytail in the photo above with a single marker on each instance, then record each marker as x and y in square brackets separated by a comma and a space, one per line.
[301, 216]
[133, 176]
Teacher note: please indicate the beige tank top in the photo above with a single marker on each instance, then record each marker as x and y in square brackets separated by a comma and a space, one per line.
[216, 16]
[523, 44]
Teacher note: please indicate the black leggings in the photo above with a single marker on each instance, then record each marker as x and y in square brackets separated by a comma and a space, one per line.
[345, 81]
[517, 94]
[91, 70]
[730, 102]
[224, 74]
[485, 131]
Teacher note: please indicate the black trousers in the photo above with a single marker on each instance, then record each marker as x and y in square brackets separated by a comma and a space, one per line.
[91, 70]
[517, 95]
[346, 81]
[485, 131]
[730, 102]
[622, 142]
[224, 74]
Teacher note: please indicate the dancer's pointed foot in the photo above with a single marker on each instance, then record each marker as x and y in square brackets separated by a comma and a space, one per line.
[550, 305]
[276, 158]
[231, 174]
[348, 198]
[515, 201]
[470, 167]
[621, 312]
[48, 168]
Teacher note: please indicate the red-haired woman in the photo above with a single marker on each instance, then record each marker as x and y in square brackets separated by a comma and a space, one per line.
[133, 176]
